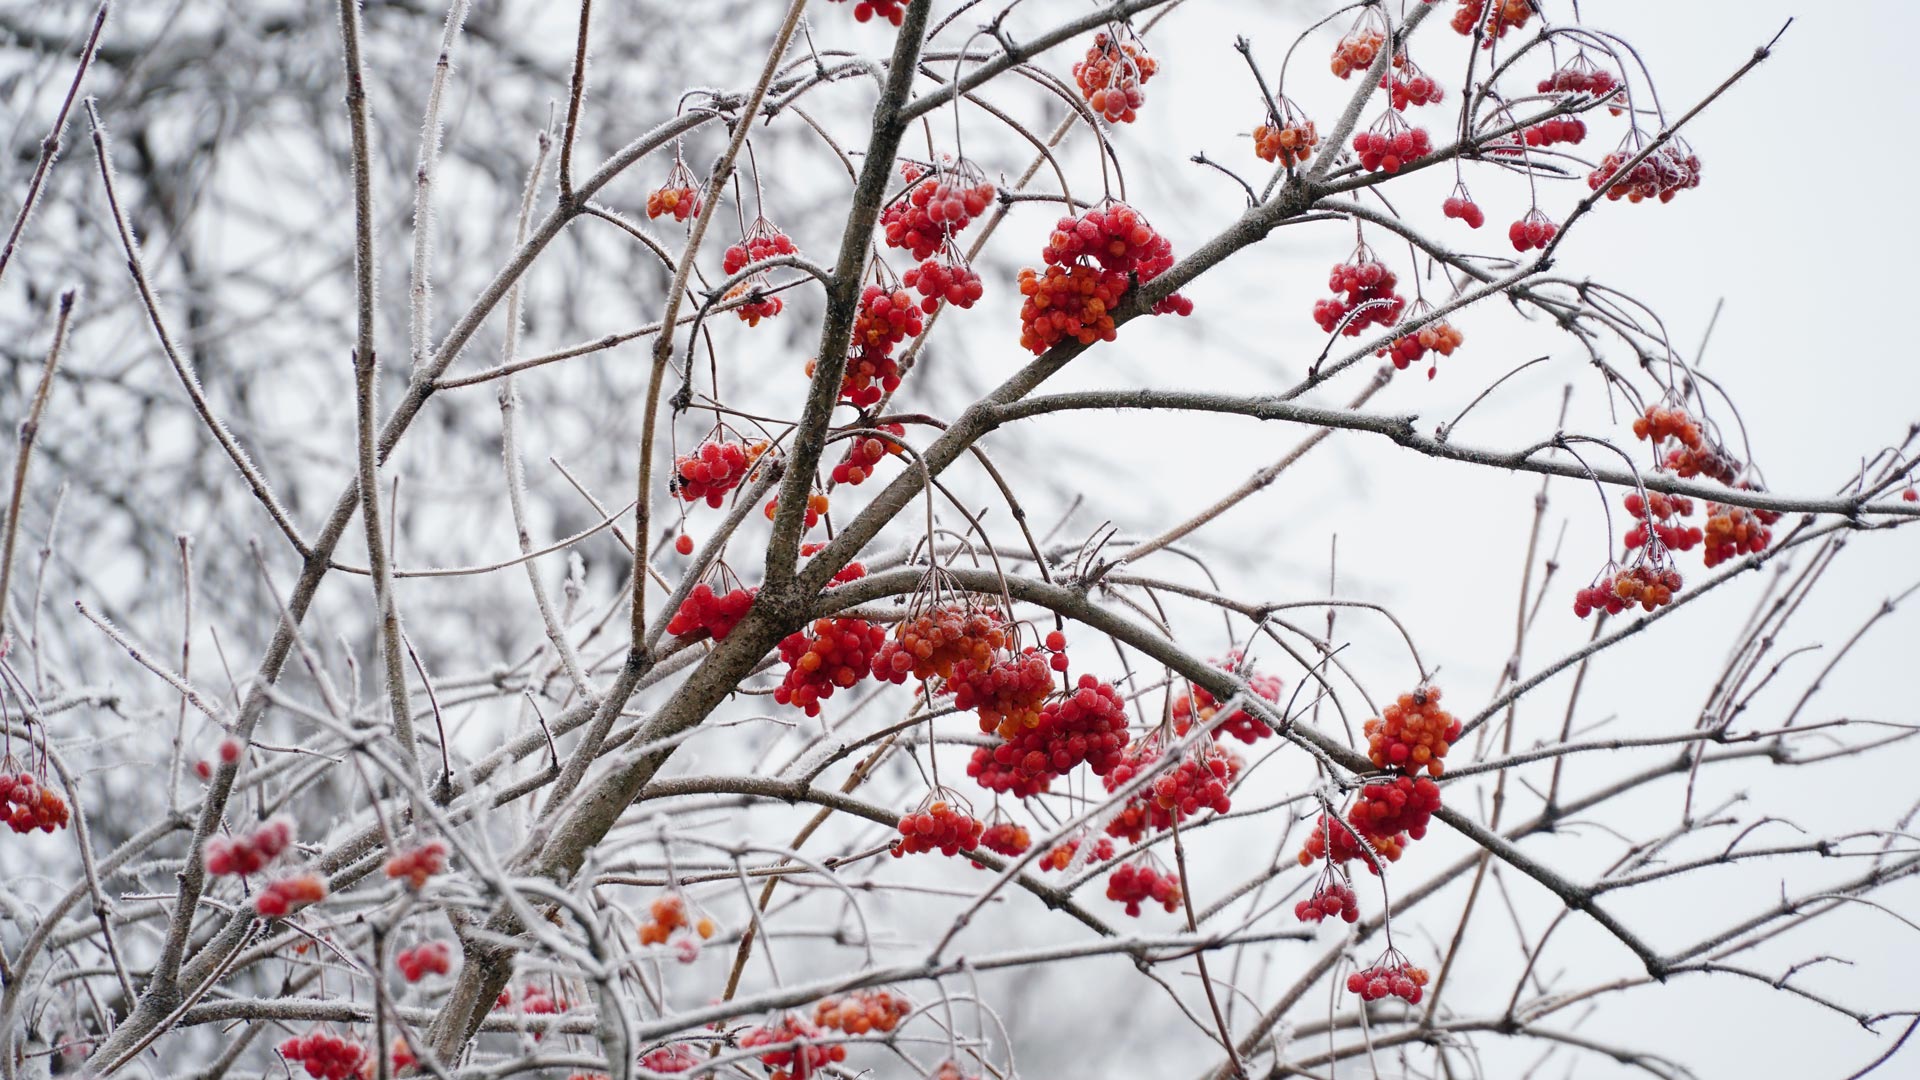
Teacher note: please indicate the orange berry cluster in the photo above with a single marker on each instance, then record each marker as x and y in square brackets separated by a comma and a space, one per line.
[1363, 287]
[1200, 705]
[251, 852]
[1289, 144]
[1131, 883]
[862, 1012]
[667, 914]
[1111, 77]
[287, 895]
[1410, 86]
[932, 642]
[1438, 337]
[798, 1061]
[326, 1056]
[29, 804]
[672, 1058]
[1414, 734]
[831, 653]
[715, 468]
[1693, 455]
[1732, 531]
[1666, 172]
[1389, 976]
[419, 864]
[940, 281]
[1498, 17]
[1006, 838]
[704, 610]
[1061, 857]
[891, 10]
[1091, 262]
[1332, 896]
[427, 958]
[1533, 232]
[939, 827]
[1065, 302]
[936, 208]
[1647, 586]
[1009, 693]
[1088, 725]
[816, 505]
[1667, 509]
[1199, 782]
[865, 453]
[1390, 143]
[1359, 47]
[677, 197]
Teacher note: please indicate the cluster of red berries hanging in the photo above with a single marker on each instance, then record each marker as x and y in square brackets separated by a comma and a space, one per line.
[1645, 586]
[28, 803]
[1010, 694]
[678, 197]
[817, 502]
[892, 11]
[1411, 737]
[1331, 896]
[1112, 74]
[249, 853]
[1581, 75]
[1391, 143]
[1438, 338]
[1092, 261]
[717, 614]
[1390, 976]
[1392, 811]
[1407, 85]
[1732, 531]
[1666, 172]
[943, 281]
[862, 1012]
[416, 865]
[1414, 734]
[763, 240]
[1360, 46]
[1533, 232]
[288, 895]
[831, 654]
[1559, 129]
[1140, 880]
[1086, 726]
[798, 1061]
[1690, 454]
[939, 203]
[939, 637]
[716, 467]
[666, 916]
[534, 1000]
[1200, 705]
[1363, 295]
[1493, 18]
[866, 452]
[1460, 205]
[427, 958]
[940, 826]
[1287, 141]
[1198, 783]
[672, 1058]
[1003, 837]
[1061, 857]
[852, 571]
[1665, 520]
[326, 1056]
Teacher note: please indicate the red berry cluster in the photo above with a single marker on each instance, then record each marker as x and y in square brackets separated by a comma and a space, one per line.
[1732, 531]
[1648, 586]
[1200, 705]
[1461, 205]
[862, 1012]
[885, 318]
[667, 914]
[1009, 694]
[535, 1000]
[940, 281]
[1088, 725]
[287, 895]
[867, 452]
[891, 10]
[672, 1058]
[932, 642]
[1666, 172]
[1391, 810]
[1363, 288]
[1693, 455]
[428, 958]
[1438, 337]
[250, 852]
[1580, 76]
[832, 653]
[1667, 510]
[817, 503]
[1414, 734]
[1092, 261]
[29, 804]
[936, 208]
[940, 827]
[325, 1055]
[1332, 896]
[705, 610]
[1006, 838]
[1390, 143]
[763, 240]
[1360, 46]
[1560, 129]
[1068, 302]
[1335, 841]
[1131, 883]
[1498, 17]
[1536, 230]
[712, 470]
[853, 571]
[1287, 141]
[1408, 85]
[799, 1061]
[1111, 77]
[419, 864]
[1116, 236]
[1199, 782]
[1061, 857]
[677, 197]
[1389, 976]
[759, 306]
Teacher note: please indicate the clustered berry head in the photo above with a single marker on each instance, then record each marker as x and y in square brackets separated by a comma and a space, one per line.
[941, 636]
[1199, 782]
[672, 1058]
[1132, 882]
[852, 571]
[1111, 77]
[862, 1012]
[666, 915]
[1646, 586]
[1358, 47]
[1200, 705]
[941, 281]
[941, 827]
[1006, 838]
[1667, 510]
[1494, 19]
[1289, 141]
[288, 895]
[1580, 76]
[1389, 976]
[1438, 337]
[1088, 725]
[249, 853]
[892, 11]
[1691, 454]
[1559, 129]
[798, 1061]
[1414, 734]
[416, 865]
[1091, 261]
[1666, 172]
[1331, 896]
[1061, 857]
[763, 240]
[28, 803]
[1009, 695]
[936, 208]
[677, 198]
[427, 958]
[1391, 143]
[831, 654]
[1407, 85]
[1363, 288]
[1336, 841]
[1391, 808]
[1535, 231]
[705, 610]
[326, 1056]
[1732, 531]
[715, 468]
[866, 452]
